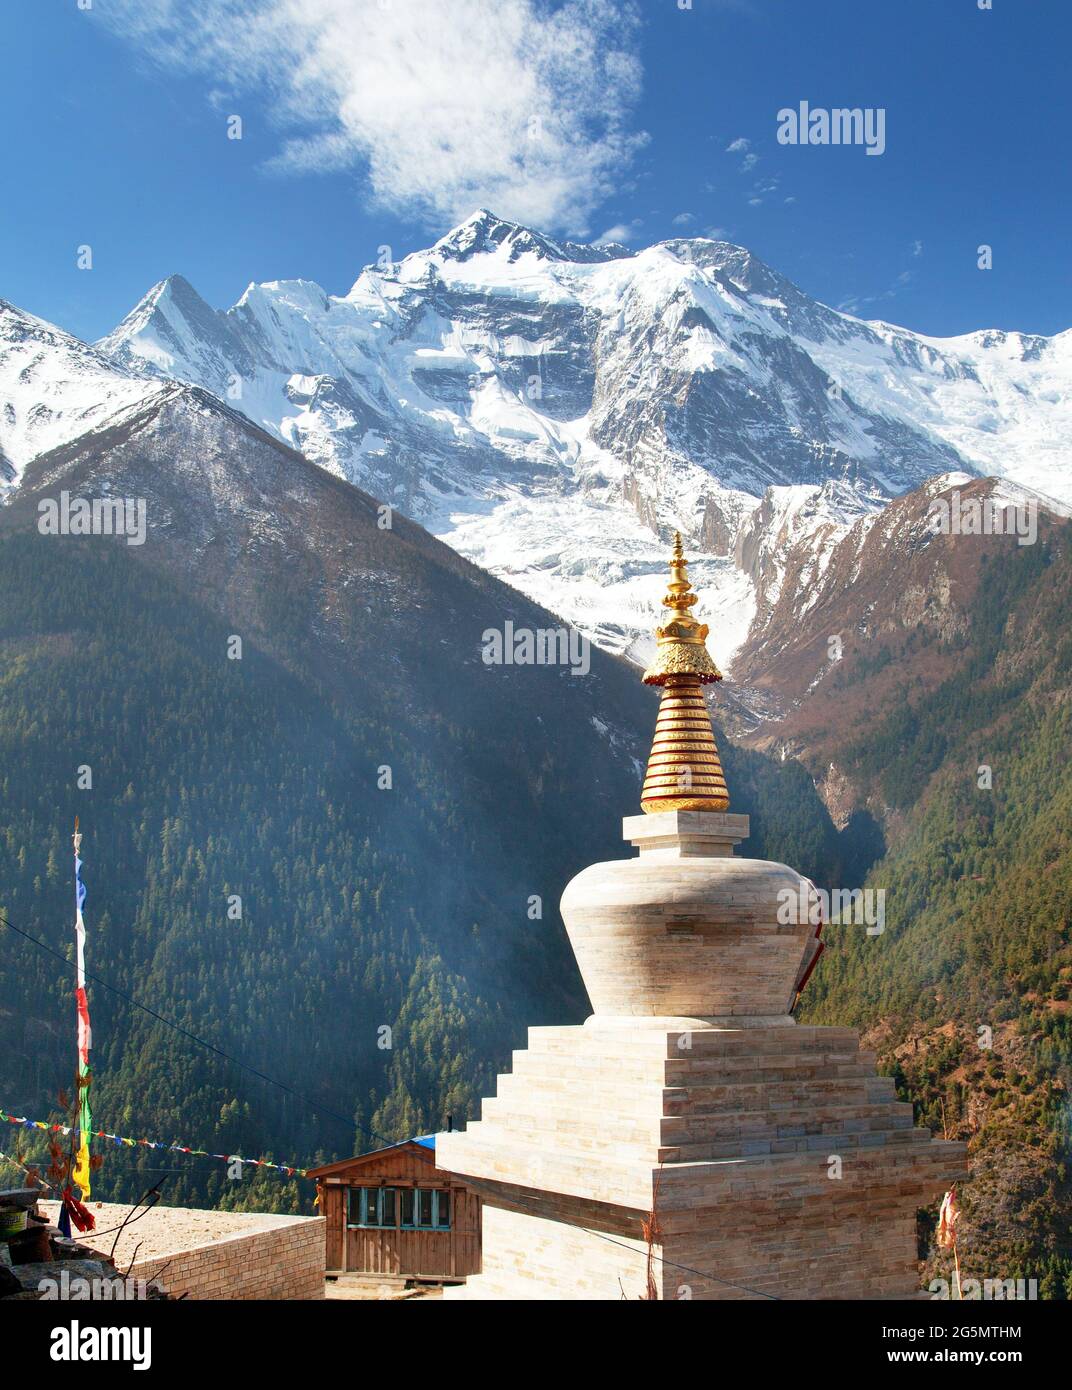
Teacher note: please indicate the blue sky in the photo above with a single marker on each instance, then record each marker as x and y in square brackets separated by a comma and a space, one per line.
[382, 122]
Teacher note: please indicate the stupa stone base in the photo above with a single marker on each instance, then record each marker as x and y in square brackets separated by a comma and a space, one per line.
[776, 1161]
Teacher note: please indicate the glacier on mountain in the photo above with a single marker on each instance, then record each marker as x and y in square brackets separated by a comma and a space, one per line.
[554, 411]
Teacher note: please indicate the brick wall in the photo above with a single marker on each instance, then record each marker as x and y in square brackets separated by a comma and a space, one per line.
[283, 1262]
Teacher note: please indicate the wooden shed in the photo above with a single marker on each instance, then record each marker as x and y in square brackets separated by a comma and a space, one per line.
[394, 1212]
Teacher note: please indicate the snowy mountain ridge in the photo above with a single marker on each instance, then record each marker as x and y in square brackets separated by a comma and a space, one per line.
[553, 411]
[54, 387]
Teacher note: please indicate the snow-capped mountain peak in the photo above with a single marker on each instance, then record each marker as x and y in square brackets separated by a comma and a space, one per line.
[485, 234]
[54, 387]
[555, 410]
[164, 323]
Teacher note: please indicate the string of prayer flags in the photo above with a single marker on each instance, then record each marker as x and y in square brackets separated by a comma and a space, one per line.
[122, 1141]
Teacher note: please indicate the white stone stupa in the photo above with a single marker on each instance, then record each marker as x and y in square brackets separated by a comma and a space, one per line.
[691, 1140]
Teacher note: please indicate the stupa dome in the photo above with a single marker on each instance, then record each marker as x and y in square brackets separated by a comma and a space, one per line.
[688, 934]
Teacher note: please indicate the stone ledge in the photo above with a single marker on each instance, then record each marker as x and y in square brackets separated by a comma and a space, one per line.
[709, 834]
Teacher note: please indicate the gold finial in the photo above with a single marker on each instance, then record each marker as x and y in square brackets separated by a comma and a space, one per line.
[681, 647]
[684, 770]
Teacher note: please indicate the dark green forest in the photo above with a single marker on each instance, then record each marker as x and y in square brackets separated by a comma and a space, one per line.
[968, 993]
[362, 908]
[408, 909]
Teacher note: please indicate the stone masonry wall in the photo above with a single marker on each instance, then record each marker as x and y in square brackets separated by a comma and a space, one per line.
[284, 1262]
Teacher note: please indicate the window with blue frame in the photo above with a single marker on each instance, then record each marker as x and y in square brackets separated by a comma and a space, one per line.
[425, 1209]
[420, 1208]
[372, 1206]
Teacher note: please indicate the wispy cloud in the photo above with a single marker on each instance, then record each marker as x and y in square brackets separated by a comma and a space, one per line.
[855, 303]
[620, 234]
[513, 104]
[763, 190]
[743, 146]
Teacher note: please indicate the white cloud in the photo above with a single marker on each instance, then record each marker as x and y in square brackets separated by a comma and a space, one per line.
[621, 233]
[917, 248]
[509, 104]
[684, 219]
[738, 146]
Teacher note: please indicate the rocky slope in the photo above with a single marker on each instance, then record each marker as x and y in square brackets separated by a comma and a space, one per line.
[870, 620]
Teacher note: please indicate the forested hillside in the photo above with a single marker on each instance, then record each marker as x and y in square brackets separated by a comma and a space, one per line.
[968, 993]
[362, 908]
[424, 913]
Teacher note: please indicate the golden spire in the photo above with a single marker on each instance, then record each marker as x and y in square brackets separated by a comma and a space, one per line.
[684, 770]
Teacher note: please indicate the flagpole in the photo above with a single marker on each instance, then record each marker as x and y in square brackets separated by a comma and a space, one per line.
[80, 1175]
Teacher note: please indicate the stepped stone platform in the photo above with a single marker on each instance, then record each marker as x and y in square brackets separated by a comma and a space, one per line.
[775, 1161]
[764, 1159]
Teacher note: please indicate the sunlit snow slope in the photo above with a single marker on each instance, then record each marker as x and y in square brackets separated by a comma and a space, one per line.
[553, 411]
